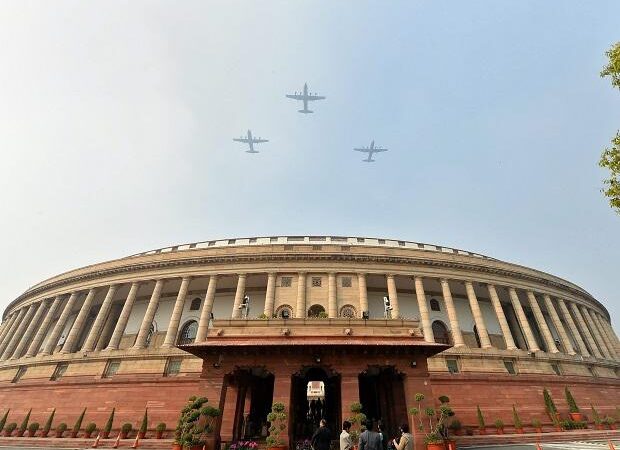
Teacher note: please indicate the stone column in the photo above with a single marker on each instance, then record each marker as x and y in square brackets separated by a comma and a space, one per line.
[102, 315]
[78, 325]
[300, 309]
[236, 312]
[361, 282]
[607, 331]
[583, 328]
[270, 296]
[121, 324]
[108, 327]
[603, 332]
[501, 318]
[478, 318]
[393, 294]
[573, 328]
[282, 394]
[557, 323]
[522, 318]
[349, 389]
[611, 333]
[30, 329]
[455, 327]
[19, 332]
[332, 302]
[38, 338]
[427, 327]
[151, 310]
[542, 323]
[177, 311]
[5, 336]
[52, 340]
[598, 339]
[19, 317]
[205, 314]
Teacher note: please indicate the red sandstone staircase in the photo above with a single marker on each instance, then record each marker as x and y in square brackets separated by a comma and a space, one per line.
[81, 443]
[562, 436]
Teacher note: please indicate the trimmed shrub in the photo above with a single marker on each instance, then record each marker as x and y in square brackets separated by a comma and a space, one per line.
[108, 425]
[145, 422]
[50, 420]
[515, 418]
[78, 422]
[3, 420]
[572, 404]
[24, 426]
[480, 417]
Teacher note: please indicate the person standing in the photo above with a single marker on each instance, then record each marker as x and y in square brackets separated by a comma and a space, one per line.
[406, 439]
[345, 438]
[370, 439]
[321, 439]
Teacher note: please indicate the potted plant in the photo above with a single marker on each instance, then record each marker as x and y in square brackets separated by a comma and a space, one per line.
[481, 426]
[159, 430]
[32, 429]
[8, 431]
[60, 429]
[517, 420]
[277, 418]
[499, 425]
[598, 422]
[24, 425]
[144, 425]
[48, 424]
[108, 425]
[3, 420]
[573, 409]
[195, 424]
[89, 429]
[78, 424]
[552, 411]
[125, 430]
[416, 411]
[437, 436]
[537, 425]
[357, 419]
[456, 427]
[263, 316]
[610, 422]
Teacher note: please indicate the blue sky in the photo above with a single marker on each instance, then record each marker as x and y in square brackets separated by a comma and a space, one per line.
[116, 123]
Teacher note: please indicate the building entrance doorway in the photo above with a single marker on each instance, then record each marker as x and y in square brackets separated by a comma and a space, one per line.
[382, 395]
[254, 397]
[306, 413]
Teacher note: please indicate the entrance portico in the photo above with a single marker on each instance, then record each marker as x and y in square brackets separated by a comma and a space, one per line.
[250, 364]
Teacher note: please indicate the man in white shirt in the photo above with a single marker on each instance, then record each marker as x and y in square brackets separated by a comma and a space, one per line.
[345, 437]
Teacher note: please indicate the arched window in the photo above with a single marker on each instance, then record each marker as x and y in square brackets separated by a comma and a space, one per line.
[435, 305]
[188, 332]
[280, 312]
[150, 335]
[441, 333]
[195, 305]
[348, 311]
[315, 311]
[477, 337]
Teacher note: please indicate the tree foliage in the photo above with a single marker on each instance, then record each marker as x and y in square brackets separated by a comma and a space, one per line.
[612, 69]
[610, 159]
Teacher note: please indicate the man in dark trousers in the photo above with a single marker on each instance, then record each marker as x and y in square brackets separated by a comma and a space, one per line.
[321, 440]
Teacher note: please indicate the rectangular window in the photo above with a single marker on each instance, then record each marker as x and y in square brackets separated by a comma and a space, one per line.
[346, 281]
[111, 368]
[381, 241]
[361, 240]
[231, 241]
[253, 240]
[21, 370]
[316, 281]
[453, 366]
[273, 239]
[286, 281]
[338, 239]
[210, 244]
[556, 368]
[510, 366]
[59, 371]
[401, 243]
[173, 367]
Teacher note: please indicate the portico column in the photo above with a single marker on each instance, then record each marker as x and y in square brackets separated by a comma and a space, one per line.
[427, 327]
[52, 340]
[596, 335]
[6, 335]
[78, 325]
[606, 328]
[611, 332]
[455, 328]
[102, 315]
[19, 332]
[19, 316]
[542, 324]
[522, 318]
[270, 295]
[557, 323]
[483, 334]
[583, 328]
[177, 311]
[393, 294]
[300, 310]
[603, 332]
[121, 324]
[207, 308]
[151, 310]
[332, 305]
[108, 327]
[361, 282]
[236, 312]
[38, 338]
[501, 318]
[32, 325]
[573, 328]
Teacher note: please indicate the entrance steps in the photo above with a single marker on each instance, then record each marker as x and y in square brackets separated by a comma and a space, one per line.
[556, 436]
[81, 443]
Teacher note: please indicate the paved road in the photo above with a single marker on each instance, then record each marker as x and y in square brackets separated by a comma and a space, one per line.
[575, 445]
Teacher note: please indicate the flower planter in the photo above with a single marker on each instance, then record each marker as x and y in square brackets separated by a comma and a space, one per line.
[599, 426]
[141, 434]
[519, 430]
[59, 434]
[74, 434]
[176, 447]
[277, 447]
[538, 429]
[44, 433]
[123, 435]
[31, 433]
[482, 431]
[8, 433]
[195, 447]
[439, 446]
[450, 444]
[159, 434]
[499, 431]
[576, 416]
[87, 435]
[105, 434]
[20, 433]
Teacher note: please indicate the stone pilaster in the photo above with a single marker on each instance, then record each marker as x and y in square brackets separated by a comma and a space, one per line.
[151, 310]
[52, 340]
[522, 318]
[177, 312]
[485, 342]
[425, 318]
[78, 325]
[393, 294]
[542, 323]
[102, 315]
[332, 302]
[573, 328]
[239, 294]
[300, 309]
[455, 327]
[270, 295]
[121, 324]
[207, 308]
[557, 323]
[501, 318]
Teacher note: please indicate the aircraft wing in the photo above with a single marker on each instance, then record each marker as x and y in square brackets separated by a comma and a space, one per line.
[312, 98]
[379, 150]
[365, 150]
[244, 140]
[259, 141]
[295, 96]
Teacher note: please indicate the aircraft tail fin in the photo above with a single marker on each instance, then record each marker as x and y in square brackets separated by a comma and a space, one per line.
[305, 111]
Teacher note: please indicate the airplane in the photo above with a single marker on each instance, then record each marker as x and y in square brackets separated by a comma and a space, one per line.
[305, 97]
[371, 150]
[250, 141]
